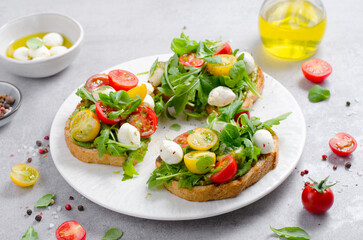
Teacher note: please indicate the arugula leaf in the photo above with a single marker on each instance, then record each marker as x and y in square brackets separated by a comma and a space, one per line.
[241, 57]
[44, 201]
[318, 94]
[118, 149]
[183, 45]
[113, 234]
[84, 94]
[136, 155]
[294, 233]
[275, 121]
[204, 51]
[122, 102]
[207, 84]
[214, 59]
[235, 52]
[83, 144]
[176, 127]
[101, 141]
[189, 180]
[34, 43]
[30, 234]
[230, 136]
[153, 67]
[159, 105]
[239, 74]
[226, 114]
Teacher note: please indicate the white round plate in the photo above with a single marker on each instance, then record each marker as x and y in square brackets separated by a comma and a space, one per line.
[100, 183]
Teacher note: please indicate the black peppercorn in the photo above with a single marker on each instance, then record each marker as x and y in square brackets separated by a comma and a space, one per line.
[38, 143]
[29, 212]
[80, 208]
[38, 218]
[348, 164]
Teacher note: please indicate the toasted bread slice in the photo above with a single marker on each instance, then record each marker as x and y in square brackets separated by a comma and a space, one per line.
[90, 155]
[230, 189]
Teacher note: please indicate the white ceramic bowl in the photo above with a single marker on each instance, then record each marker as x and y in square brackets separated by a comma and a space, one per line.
[43, 22]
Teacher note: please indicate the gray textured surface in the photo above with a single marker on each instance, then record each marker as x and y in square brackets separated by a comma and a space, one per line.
[118, 31]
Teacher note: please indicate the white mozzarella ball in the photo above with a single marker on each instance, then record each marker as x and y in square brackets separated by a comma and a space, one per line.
[39, 52]
[103, 89]
[171, 152]
[264, 141]
[218, 126]
[129, 135]
[249, 61]
[21, 54]
[53, 39]
[155, 79]
[150, 88]
[149, 101]
[58, 50]
[221, 96]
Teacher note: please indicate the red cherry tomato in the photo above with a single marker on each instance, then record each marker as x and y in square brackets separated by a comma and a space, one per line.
[228, 169]
[182, 140]
[223, 49]
[343, 144]
[102, 112]
[240, 113]
[122, 80]
[145, 120]
[191, 60]
[316, 70]
[96, 81]
[316, 202]
[70, 230]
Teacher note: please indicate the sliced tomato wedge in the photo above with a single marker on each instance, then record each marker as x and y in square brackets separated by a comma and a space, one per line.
[228, 169]
[96, 81]
[225, 48]
[102, 112]
[316, 70]
[24, 175]
[145, 120]
[122, 80]
[343, 144]
[202, 139]
[191, 60]
[70, 230]
[182, 140]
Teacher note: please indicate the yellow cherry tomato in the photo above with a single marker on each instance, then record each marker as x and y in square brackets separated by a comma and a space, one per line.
[202, 139]
[85, 126]
[222, 69]
[200, 162]
[139, 90]
[24, 175]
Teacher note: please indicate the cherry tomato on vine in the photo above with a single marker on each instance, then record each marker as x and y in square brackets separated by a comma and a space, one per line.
[122, 80]
[191, 60]
[145, 120]
[96, 81]
[317, 197]
[316, 70]
[228, 168]
[343, 144]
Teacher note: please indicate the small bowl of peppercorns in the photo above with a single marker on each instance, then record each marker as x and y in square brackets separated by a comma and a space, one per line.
[10, 101]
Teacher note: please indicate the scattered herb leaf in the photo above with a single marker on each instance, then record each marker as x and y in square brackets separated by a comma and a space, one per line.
[30, 234]
[176, 127]
[318, 94]
[44, 201]
[113, 234]
[294, 233]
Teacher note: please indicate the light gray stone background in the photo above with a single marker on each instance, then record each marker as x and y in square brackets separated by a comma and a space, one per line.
[119, 31]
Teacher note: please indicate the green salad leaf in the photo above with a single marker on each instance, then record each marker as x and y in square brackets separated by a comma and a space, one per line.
[183, 45]
[44, 201]
[113, 234]
[34, 43]
[318, 94]
[176, 127]
[30, 234]
[136, 155]
[84, 94]
[153, 67]
[294, 233]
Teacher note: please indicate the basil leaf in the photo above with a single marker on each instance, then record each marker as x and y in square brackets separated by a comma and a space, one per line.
[153, 67]
[30, 234]
[294, 233]
[34, 43]
[241, 57]
[176, 127]
[230, 136]
[44, 201]
[318, 94]
[84, 94]
[113, 234]
[205, 164]
[183, 45]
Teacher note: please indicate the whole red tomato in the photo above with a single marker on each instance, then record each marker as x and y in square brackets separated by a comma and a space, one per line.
[317, 197]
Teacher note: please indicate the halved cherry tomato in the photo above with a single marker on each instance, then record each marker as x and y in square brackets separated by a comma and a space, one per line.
[222, 69]
[228, 169]
[24, 175]
[85, 126]
[199, 162]
[70, 230]
[343, 144]
[182, 140]
[240, 113]
[191, 60]
[202, 139]
[102, 112]
[122, 80]
[96, 81]
[316, 70]
[140, 91]
[145, 120]
[225, 48]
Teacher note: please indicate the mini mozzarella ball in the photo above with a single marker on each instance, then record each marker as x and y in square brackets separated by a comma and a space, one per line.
[103, 89]
[53, 39]
[149, 102]
[264, 141]
[149, 87]
[218, 126]
[249, 61]
[58, 50]
[129, 135]
[39, 52]
[171, 152]
[21, 54]
[221, 96]
[155, 79]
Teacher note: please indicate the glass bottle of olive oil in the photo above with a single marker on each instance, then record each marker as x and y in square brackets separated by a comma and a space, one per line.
[292, 29]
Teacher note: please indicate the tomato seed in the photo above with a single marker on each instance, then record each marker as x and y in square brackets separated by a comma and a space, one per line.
[68, 207]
